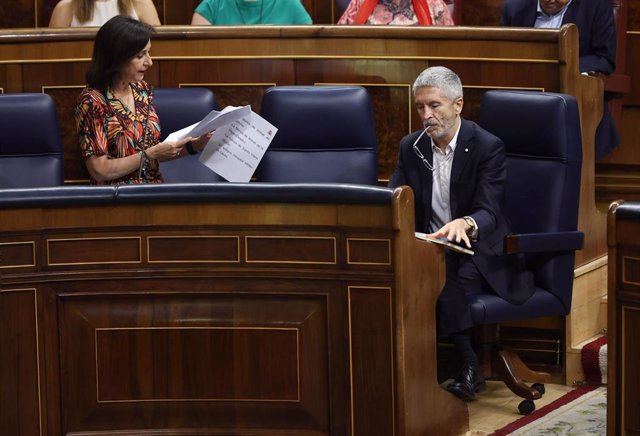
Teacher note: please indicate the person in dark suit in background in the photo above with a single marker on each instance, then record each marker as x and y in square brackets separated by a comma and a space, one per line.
[597, 50]
[457, 172]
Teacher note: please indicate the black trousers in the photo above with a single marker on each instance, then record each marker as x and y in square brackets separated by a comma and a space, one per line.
[462, 279]
[607, 136]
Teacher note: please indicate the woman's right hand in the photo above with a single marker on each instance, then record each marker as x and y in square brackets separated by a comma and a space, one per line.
[166, 150]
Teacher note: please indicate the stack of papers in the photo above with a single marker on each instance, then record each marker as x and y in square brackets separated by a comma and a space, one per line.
[239, 141]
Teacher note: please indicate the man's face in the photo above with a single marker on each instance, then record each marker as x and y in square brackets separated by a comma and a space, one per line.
[438, 113]
[551, 7]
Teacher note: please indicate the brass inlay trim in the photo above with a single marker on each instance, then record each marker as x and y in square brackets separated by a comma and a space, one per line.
[155, 400]
[360, 57]
[388, 241]
[237, 238]
[33, 254]
[287, 57]
[331, 238]
[624, 270]
[37, 339]
[139, 238]
[393, 387]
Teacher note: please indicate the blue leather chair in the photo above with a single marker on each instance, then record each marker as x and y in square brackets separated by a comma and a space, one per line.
[325, 135]
[30, 144]
[178, 108]
[541, 132]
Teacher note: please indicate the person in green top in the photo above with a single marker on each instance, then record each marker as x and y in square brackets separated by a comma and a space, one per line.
[247, 12]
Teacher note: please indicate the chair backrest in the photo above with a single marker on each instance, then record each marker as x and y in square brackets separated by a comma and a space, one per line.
[178, 108]
[325, 134]
[30, 144]
[542, 136]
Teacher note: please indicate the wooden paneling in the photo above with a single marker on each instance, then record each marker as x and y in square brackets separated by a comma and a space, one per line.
[633, 69]
[300, 343]
[17, 13]
[176, 11]
[631, 270]
[91, 251]
[481, 12]
[248, 360]
[630, 356]
[366, 251]
[371, 351]
[19, 366]
[291, 249]
[194, 249]
[17, 254]
[633, 16]
[623, 319]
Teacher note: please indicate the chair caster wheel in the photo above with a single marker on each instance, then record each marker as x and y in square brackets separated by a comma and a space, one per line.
[539, 387]
[526, 407]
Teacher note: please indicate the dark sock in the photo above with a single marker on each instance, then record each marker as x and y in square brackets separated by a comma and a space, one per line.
[462, 343]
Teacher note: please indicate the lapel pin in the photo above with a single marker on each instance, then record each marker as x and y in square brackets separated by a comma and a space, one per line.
[466, 150]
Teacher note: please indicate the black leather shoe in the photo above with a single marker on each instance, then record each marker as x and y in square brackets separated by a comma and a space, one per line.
[467, 383]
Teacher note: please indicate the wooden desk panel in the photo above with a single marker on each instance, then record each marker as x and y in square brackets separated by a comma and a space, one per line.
[623, 319]
[295, 319]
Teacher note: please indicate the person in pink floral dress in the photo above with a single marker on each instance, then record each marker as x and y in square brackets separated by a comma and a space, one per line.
[397, 12]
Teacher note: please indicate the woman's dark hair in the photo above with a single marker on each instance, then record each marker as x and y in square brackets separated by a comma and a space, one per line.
[117, 42]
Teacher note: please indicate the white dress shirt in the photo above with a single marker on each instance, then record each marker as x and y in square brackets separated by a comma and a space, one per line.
[440, 192]
[546, 21]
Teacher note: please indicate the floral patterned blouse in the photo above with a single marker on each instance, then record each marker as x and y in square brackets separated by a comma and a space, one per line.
[106, 126]
[398, 12]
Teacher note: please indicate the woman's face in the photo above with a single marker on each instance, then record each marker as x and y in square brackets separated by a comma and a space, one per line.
[133, 71]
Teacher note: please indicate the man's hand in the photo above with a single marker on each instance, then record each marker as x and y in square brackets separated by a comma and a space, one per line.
[455, 230]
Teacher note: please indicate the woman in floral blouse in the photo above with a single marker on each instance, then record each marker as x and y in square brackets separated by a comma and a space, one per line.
[118, 127]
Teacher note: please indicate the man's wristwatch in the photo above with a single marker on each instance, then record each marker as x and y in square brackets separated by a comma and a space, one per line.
[472, 224]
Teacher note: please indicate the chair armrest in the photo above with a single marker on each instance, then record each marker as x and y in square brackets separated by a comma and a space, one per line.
[617, 83]
[614, 83]
[543, 242]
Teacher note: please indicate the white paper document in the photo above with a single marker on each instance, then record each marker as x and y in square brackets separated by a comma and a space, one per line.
[212, 121]
[443, 241]
[235, 149]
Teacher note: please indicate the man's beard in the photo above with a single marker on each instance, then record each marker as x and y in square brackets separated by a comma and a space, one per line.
[440, 130]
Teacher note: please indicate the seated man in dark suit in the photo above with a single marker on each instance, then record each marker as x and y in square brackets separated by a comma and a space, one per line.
[597, 51]
[457, 172]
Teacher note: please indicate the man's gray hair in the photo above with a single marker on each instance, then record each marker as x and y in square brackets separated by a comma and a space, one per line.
[440, 77]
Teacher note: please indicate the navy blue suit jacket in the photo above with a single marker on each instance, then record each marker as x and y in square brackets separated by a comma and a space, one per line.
[478, 176]
[594, 19]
